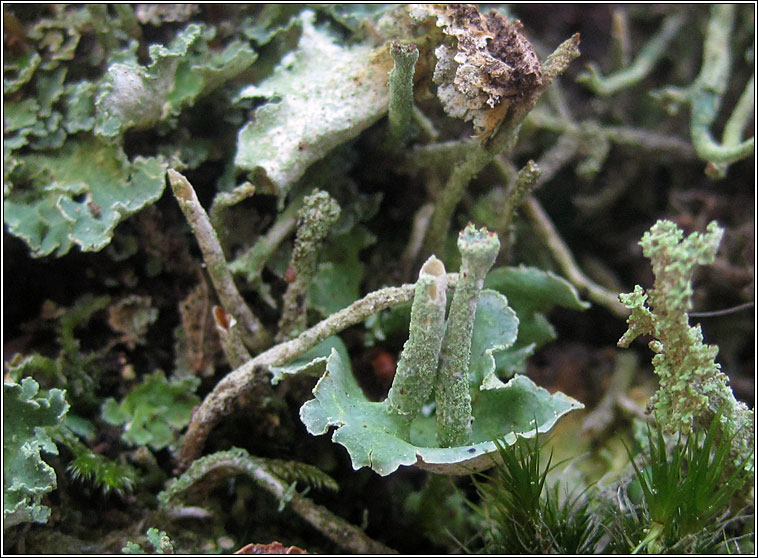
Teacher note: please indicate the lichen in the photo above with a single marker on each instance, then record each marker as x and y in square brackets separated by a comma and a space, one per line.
[692, 387]
[417, 368]
[491, 64]
[316, 218]
[479, 249]
[27, 419]
[405, 57]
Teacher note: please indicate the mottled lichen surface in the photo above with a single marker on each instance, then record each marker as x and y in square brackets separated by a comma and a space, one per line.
[693, 389]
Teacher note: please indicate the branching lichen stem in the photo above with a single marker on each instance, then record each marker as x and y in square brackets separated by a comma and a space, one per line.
[251, 262]
[741, 114]
[224, 200]
[709, 87]
[252, 331]
[436, 155]
[642, 65]
[693, 390]
[645, 140]
[733, 130]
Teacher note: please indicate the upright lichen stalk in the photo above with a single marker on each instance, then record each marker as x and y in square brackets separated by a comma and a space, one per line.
[400, 110]
[692, 387]
[318, 215]
[417, 368]
[479, 249]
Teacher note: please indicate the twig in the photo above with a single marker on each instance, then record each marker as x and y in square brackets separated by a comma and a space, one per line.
[253, 333]
[346, 535]
[218, 402]
[546, 230]
[239, 461]
[640, 68]
[724, 312]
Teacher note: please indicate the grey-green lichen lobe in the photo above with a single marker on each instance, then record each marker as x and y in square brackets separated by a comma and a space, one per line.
[478, 248]
[417, 368]
[328, 94]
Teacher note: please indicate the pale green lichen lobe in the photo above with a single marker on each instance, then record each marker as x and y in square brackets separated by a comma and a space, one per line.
[478, 248]
[417, 368]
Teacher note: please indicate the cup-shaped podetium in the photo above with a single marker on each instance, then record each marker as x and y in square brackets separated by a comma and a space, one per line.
[478, 248]
[417, 368]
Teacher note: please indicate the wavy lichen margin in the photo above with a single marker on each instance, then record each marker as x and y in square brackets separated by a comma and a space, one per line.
[375, 438]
